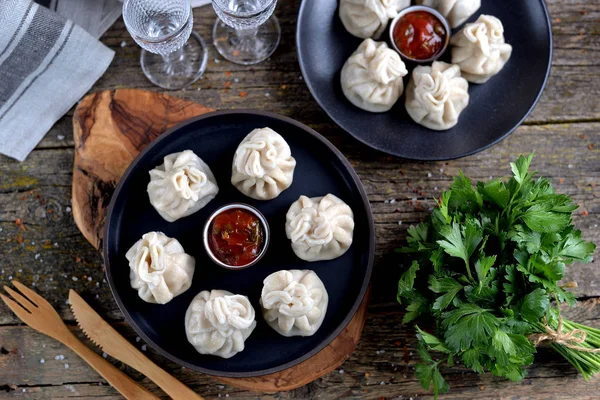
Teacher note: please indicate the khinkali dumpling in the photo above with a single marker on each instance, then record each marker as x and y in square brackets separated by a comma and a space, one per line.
[219, 322]
[263, 165]
[372, 76]
[436, 95]
[479, 49]
[320, 228]
[369, 18]
[182, 185]
[294, 302]
[159, 268]
[456, 11]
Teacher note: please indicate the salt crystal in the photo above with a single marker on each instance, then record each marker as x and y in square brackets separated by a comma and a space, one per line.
[10, 278]
[123, 43]
[386, 201]
[97, 283]
[50, 279]
[219, 394]
[226, 394]
[236, 80]
[24, 390]
[97, 296]
[20, 270]
[55, 244]
[104, 355]
[38, 255]
[435, 188]
[217, 61]
[42, 361]
[137, 339]
[32, 283]
[382, 383]
[442, 170]
[32, 242]
[267, 94]
[68, 209]
[67, 302]
[75, 278]
[57, 358]
[392, 201]
[62, 357]
[89, 278]
[429, 175]
[60, 137]
[341, 371]
[570, 165]
[414, 199]
[144, 347]
[66, 366]
[44, 346]
[221, 386]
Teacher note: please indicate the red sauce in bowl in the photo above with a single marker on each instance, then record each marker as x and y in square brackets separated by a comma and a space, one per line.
[236, 237]
[419, 35]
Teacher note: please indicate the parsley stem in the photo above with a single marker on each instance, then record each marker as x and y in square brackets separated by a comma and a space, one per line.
[469, 271]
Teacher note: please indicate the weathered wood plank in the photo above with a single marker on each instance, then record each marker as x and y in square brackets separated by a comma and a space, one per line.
[28, 190]
[385, 354]
[571, 96]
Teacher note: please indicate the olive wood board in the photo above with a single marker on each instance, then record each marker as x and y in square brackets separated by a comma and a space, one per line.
[110, 128]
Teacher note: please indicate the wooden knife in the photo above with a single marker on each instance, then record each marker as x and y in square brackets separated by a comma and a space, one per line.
[112, 343]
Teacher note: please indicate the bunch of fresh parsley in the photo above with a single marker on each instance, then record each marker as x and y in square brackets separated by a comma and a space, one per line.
[485, 268]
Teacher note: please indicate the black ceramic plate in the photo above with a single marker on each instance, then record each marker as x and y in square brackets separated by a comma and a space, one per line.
[496, 108]
[320, 169]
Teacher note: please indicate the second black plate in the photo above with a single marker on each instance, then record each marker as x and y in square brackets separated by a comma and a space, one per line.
[496, 108]
[214, 137]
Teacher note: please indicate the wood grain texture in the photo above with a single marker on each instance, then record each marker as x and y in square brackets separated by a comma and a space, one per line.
[564, 131]
[110, 128]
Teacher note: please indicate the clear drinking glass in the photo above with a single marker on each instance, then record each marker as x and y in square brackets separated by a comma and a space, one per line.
[246, 31]
[173, 56]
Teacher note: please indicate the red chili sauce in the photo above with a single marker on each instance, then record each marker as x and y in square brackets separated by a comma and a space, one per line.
[419, 35]
[236, 237]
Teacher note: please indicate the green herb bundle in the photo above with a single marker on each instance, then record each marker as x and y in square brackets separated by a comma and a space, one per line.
[485, 268]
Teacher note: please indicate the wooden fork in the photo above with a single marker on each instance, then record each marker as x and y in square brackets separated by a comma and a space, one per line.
[36, 312]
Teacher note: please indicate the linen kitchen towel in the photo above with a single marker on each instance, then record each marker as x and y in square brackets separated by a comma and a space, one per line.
[47, 63]
[95, 16]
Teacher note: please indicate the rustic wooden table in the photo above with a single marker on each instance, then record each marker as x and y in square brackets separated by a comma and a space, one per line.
[41, 246]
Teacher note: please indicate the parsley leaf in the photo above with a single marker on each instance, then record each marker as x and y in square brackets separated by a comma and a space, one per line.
[469, 325]
[449, 286]
[520, 169]
[462, 243]
[535, 305]
[540, 219]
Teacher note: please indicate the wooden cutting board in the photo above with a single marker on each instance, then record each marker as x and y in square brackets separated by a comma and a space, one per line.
[110, 128]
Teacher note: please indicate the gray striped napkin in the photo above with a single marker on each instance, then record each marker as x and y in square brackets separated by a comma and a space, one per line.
[47, 63]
